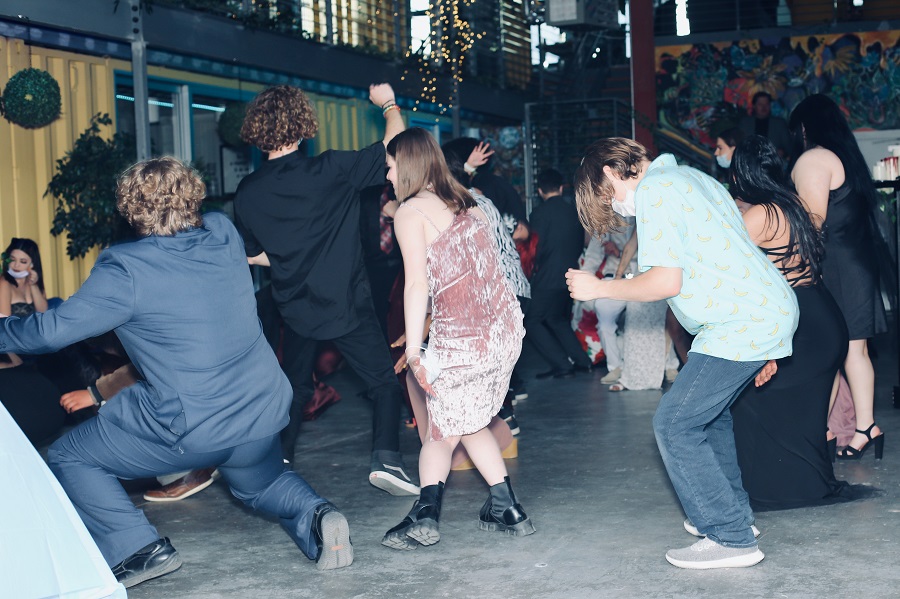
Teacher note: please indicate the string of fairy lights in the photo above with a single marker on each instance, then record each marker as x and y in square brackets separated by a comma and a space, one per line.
[451, 39]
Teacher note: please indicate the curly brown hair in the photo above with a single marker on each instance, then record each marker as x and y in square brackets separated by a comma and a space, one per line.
[593, 190]
[278, 117]
[161, 196]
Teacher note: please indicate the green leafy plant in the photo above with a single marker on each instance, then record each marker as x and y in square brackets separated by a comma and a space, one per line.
[84, 188]
[230, 123]
[31, 99]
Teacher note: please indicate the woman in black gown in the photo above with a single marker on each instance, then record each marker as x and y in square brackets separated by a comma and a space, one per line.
[832, 179]
[779, 428]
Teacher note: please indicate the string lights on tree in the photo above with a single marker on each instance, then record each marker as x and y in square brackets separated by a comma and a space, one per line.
[451, 39]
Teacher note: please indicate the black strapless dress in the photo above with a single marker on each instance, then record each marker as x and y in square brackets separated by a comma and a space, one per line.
[849, 269]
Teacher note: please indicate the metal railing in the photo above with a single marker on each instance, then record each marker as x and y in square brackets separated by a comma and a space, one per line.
[557, 134]
[708, 16]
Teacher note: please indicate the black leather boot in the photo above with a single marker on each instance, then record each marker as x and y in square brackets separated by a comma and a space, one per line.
[502, 512]
[421, 524]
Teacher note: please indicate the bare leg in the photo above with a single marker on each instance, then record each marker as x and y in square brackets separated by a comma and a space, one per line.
[485, 454]
[498, 426]
[861, 378]
[434, 460]
[834, 391]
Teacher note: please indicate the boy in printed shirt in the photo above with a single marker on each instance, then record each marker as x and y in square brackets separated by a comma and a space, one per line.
[693, 251]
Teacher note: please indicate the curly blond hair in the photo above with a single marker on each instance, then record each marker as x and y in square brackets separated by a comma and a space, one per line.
[161, 196]
[593, 189]
[278, 117]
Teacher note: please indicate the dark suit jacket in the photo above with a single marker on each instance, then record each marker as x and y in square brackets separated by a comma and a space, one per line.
[560, 241]
[183, 308]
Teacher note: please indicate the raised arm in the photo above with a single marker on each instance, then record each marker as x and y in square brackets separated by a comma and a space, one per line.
[38, 299]
[382, 96]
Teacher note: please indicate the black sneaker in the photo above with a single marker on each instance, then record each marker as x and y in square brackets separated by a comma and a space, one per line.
[156, 559]
[332, 535]
[510, 419]
[389, 474]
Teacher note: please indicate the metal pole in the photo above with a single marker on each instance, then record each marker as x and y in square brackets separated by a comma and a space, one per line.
[529, 159]
[139, 76]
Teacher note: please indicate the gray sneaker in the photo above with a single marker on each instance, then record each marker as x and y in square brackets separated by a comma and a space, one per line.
[706, 554]
[389, 474]
[689, 526]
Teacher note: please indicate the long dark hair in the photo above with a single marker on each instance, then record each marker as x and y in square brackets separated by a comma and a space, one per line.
[759, 179]
[29, 247]
[818, 121]
[420, 164]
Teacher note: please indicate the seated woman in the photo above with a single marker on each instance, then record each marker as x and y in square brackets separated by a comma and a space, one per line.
[779, 428]
[22, 284]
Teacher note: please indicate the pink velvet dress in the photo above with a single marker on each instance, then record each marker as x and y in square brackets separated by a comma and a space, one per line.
[476, 331]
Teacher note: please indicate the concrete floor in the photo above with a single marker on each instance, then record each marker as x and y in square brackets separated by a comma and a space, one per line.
[590, 477]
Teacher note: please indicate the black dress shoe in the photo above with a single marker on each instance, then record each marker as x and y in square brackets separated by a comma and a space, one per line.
[332, 535]
[156, 559]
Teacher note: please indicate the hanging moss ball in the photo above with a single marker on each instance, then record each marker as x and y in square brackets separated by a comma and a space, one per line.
[32, 99]
[230, 123]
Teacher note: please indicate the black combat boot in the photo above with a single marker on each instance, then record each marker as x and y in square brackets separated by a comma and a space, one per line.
[421, 524]
[502, 512]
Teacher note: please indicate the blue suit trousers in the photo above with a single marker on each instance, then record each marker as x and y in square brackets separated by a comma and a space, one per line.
[89, 459]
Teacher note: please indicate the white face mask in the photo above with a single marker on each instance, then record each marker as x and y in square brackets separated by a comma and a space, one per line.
[723, 161]
[625, 208]
[17, 274]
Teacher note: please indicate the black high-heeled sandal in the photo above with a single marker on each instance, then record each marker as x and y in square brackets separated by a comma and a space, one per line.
[851, 453]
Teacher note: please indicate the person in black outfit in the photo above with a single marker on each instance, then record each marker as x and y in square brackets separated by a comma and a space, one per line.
[560, 241]
[300, 215]
[381, 253]
[784, 458]
[494, 187]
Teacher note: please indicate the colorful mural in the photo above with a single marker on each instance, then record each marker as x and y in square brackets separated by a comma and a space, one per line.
[703, 88]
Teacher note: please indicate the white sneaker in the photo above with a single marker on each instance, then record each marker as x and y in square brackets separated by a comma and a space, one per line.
[612, 376]
[689, 526]
[706, 554]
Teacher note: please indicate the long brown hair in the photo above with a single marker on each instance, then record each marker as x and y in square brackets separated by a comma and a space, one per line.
[593, 188]
[420, 164]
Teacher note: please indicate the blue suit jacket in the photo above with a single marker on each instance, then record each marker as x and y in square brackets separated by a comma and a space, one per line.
[184, 309]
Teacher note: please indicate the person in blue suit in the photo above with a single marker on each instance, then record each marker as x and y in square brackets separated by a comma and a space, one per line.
[181, 301]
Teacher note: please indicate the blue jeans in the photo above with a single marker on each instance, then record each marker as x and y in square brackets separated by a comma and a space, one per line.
[89, 459]
[694, 433]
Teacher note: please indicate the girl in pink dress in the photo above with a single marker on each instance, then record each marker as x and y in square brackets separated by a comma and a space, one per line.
[475, 339]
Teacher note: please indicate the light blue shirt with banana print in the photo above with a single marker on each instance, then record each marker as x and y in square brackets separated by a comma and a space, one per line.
[736, 303]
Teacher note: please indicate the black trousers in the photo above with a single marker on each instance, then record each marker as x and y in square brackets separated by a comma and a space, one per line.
[547, 327]
[367, 353]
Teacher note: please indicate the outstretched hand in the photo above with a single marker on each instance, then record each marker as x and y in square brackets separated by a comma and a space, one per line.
[479, 155]
[766, 374]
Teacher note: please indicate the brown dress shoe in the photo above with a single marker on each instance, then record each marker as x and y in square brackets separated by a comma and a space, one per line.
[189, 484]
